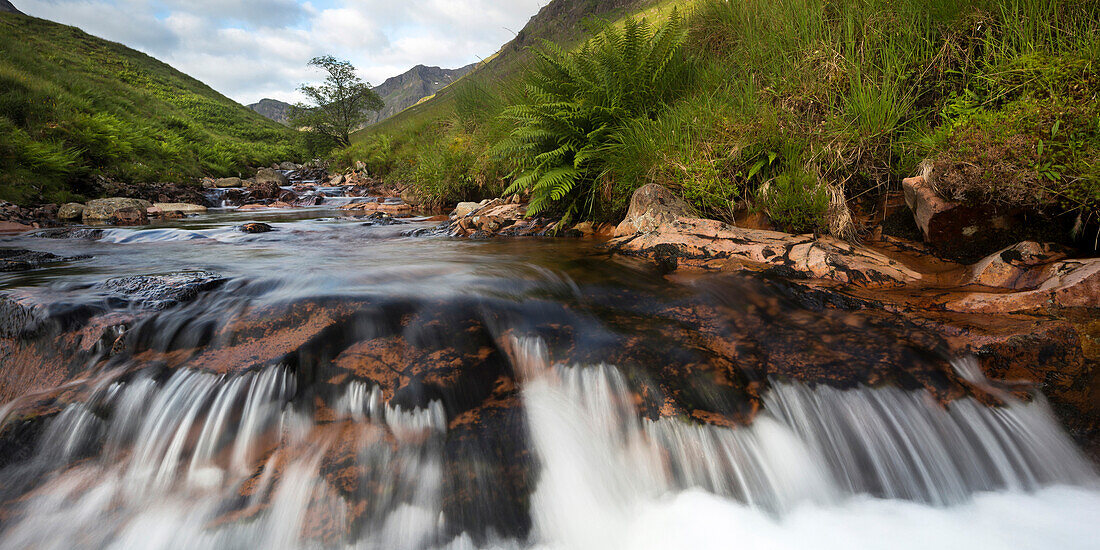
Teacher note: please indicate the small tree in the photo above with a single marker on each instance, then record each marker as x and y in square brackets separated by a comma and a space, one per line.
[340, 104]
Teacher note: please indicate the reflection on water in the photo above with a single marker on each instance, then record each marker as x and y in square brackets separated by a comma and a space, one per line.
[341, 385]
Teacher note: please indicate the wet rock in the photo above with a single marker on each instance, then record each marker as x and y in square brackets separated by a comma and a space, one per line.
[289, 166]
[1012, 267]
[696, 242]
[115, 210]
[309, 200]
[130, 216]
[150, 192]
[381, 218]
[26, 260]
[1060, 284]
[390, 206]
[223, 183]
[70, 212]
[82, 233]
[163, 291]
[262, 190]
[17, 219]
[255, 227]
[267, 175]
[182, 208]
[304, 174]
[14, 227]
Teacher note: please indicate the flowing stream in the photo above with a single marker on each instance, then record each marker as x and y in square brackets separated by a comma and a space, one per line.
[428, 393]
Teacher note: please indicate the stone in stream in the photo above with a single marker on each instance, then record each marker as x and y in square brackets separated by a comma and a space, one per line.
[259, 191]
[464, 209]
[120, 210]
[81, 233]
[267, 175]
[255, 227]
[159, 292]
[183, 208]
[26, 260]
[651, 206]
[70, 212]
[224, 183]
[380, 218]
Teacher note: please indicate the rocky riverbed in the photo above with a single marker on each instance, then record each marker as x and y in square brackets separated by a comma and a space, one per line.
[344, 364]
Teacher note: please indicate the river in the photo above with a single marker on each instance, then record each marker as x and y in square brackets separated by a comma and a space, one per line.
[339, 383]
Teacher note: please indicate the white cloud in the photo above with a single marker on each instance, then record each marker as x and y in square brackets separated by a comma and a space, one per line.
[251, 49]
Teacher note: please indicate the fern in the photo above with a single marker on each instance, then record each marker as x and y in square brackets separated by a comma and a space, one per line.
[577, 102]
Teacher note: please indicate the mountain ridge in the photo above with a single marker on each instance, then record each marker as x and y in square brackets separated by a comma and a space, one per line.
[398, 92]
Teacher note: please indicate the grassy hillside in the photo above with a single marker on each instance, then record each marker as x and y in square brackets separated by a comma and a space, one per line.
[804, 110]
[73, 106]
[440, 146]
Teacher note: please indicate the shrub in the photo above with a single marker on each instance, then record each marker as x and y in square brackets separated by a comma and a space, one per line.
[796, 200]
[577, 104]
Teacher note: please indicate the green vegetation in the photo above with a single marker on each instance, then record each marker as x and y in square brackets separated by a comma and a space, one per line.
[800, 109]
[73, 107]
[577, 103]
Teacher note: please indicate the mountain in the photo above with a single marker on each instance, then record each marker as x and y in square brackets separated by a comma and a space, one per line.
[276, 110]
[560, 21]
[74, 108]
[399, 93]
[6, 7]
[404, 91]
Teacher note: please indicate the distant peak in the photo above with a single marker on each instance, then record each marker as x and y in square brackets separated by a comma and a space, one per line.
[6, 6]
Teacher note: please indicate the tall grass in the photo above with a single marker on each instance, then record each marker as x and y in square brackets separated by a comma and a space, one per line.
[801, 109]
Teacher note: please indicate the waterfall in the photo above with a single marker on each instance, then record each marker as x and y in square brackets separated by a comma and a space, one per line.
[197, 460]
[172, 463]
[812, 449]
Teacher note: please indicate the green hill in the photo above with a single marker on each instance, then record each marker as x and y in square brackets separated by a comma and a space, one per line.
[808, 112]
[74, 107]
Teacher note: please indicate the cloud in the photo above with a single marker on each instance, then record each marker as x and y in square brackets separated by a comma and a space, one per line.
[250, 49]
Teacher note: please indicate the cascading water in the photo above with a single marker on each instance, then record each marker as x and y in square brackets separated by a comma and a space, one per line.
[814, 455]
[286, 390]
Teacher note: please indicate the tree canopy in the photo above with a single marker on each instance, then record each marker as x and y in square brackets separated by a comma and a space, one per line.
[339, 105]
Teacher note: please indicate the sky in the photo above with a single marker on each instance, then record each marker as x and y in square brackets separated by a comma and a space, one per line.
[252, 49]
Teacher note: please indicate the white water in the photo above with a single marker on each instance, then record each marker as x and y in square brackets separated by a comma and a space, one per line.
[169, 456]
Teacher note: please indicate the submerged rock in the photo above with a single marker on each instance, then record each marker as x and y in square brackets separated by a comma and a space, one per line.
[255, 227]
[26, 260]
[381, 218]
[163, 291]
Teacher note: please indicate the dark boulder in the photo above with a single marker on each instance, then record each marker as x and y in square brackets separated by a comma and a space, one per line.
[25, 260]
[255, 227]
[162, 291]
